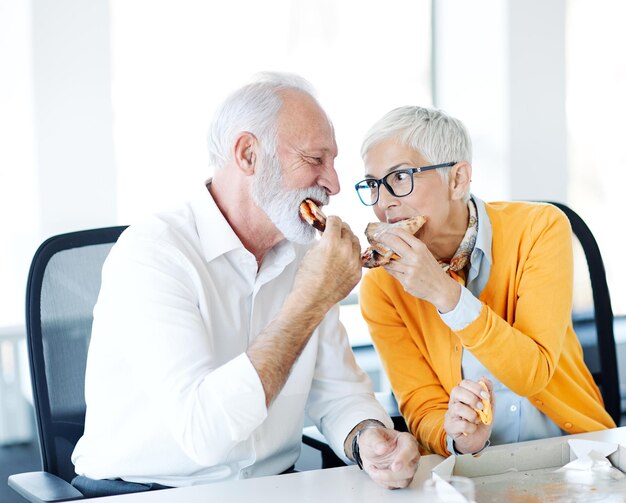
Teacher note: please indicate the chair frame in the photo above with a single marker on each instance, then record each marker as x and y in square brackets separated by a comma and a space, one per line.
[603, 312]
[41, 398]
[48, 485]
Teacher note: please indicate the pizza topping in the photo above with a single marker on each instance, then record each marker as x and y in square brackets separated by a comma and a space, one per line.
[312, 214]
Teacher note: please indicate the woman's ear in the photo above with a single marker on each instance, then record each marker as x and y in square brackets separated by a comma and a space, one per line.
[460, 178]
[245, 152]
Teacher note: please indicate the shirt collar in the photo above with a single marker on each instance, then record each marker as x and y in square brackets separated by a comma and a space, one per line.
[485, 233]
[217, 236]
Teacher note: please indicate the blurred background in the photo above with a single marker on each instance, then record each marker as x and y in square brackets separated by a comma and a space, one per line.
[105, 104]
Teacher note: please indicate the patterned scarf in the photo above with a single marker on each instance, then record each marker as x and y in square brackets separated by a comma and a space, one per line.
[456, 267]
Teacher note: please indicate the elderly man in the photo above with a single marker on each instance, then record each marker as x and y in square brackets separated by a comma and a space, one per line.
[217, 324]
[482, 292]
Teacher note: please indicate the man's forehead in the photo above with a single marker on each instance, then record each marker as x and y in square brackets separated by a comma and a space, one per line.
[301, 108]
[302, 120]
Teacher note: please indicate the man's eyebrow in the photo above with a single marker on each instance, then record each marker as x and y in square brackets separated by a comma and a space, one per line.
[389, 170]
[315, 151]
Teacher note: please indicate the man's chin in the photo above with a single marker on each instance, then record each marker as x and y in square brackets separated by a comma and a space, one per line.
[302, 233]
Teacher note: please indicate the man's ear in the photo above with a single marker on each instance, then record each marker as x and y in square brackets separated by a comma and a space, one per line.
[245, 152]
[460, 178]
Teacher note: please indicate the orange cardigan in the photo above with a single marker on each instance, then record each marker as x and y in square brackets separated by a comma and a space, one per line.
[523, 334]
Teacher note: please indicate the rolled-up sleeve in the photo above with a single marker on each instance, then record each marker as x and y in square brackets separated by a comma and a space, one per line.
[341, 393]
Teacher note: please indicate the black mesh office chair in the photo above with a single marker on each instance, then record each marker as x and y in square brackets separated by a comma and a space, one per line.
[63, 285]
[594, 327]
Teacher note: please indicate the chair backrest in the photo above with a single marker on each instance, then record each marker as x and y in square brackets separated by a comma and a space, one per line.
[63, 286]
[595, 326]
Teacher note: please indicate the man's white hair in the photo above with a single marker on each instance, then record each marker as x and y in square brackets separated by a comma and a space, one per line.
[253, 108]
[438, 137]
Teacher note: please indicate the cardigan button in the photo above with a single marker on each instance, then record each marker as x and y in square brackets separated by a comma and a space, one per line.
[539, 402]
[568, 425]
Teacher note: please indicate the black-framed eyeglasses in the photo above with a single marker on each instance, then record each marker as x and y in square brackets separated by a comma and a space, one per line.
[399, 183]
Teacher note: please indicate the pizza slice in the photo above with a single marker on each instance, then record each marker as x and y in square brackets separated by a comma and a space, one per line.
[485, 415]
[377, 254]
[312, 214]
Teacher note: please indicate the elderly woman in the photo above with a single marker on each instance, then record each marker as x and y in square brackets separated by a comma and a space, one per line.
[482, 292]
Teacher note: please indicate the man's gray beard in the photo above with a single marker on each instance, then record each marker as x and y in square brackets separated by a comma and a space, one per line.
[282, 206]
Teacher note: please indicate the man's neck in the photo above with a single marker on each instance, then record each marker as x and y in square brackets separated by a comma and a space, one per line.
[251, 225]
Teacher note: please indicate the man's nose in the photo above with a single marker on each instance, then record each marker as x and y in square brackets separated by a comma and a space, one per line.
[329, 179]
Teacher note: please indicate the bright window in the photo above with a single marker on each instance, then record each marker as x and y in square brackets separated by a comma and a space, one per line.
[596, 107]
[173, 63]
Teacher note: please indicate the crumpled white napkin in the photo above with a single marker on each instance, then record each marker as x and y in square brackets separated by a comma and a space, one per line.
[591, 456]
[447, 492]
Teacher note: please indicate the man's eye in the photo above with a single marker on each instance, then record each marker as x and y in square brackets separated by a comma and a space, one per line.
[315, 160]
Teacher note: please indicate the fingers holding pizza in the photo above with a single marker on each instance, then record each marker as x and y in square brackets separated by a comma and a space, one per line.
[378, 254]
[469, 417]
[485, 413]
[332, 268]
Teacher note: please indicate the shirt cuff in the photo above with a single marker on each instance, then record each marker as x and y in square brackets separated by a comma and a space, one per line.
[450, 445]
[465, 312]
[454, 452]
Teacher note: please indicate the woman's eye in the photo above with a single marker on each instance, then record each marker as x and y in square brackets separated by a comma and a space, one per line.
[400, 176]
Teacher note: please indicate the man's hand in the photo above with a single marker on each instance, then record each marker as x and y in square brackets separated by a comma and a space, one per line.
[332, 268]
[419, 272]
[389, 456]
[461, 421]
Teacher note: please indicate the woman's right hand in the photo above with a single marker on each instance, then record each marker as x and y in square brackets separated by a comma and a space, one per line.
[461, 421]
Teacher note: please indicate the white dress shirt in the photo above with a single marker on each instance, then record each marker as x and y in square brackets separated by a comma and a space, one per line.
[171, 395]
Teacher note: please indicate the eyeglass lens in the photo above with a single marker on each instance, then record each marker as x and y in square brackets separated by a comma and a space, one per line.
[399, 183]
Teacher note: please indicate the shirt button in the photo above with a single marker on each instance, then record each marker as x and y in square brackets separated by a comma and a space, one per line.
[244, 474]
[568, 425]
[513, 408]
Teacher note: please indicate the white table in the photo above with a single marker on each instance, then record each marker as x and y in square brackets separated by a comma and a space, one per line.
[345, 484]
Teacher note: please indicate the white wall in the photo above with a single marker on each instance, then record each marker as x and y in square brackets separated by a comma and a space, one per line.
[57, 170]
[538, 130]
[18, 192]
[73, 114]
